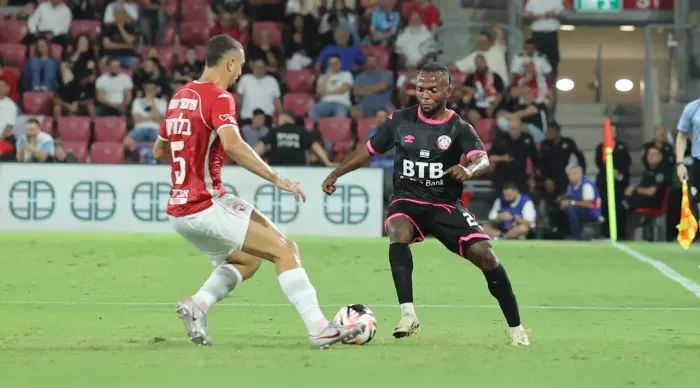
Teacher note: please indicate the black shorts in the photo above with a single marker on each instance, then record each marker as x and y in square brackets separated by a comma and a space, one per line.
[452, 225]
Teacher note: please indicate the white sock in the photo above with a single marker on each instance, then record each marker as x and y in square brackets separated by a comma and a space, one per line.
[407, 309]
[221, 282]
[302, 294]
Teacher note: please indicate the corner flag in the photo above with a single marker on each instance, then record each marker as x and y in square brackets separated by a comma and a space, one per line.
[688, 226]
[608, 146]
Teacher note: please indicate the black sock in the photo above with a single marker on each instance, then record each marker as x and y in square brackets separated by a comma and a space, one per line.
[500, 288]
[401, 262]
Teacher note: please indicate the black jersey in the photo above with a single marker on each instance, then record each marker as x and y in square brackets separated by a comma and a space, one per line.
[425, 149]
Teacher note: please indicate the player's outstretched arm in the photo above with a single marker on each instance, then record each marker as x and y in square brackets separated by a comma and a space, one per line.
[352, 162]
[479, 164]
[161, 150]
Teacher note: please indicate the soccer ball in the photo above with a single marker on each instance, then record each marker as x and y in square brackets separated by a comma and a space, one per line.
[357, 313]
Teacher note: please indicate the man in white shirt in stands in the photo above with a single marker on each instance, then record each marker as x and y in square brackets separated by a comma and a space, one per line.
[129, 7]
[51, 20]
[114, 91]
[147, 112]
[545, 16]
[415, 44]
[493, 50]
[530, 54]
[333, 89]
[258, 91]
[8, 116]
[512, 216]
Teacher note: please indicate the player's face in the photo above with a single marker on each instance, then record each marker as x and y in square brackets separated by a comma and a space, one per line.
[234, 65]
[432, 91]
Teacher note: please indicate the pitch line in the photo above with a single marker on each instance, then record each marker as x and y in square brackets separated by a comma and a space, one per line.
[662, 267]
[278, 305]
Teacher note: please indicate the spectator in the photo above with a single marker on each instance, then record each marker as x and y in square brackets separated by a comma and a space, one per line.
[51, 20]
[373, 89]
[509, 153]
[151, 71]
[81, 59]
[289, 144]
[119, 37]
[536, 82]
[114, 91]
[34, 146]
[386, 161]
[41, 70]
[531, 55]
[228, 6]
[581, 205]
[190, 69]
[545, 16]
[407, 88]
[303, 8]
[385, 24]
[62, 154]
[524, 109]
[659, 142]
[258, 91]
[147, 112]
[483, 92]
[493, 52]
[267, 10]
[231, 25]
[651, 191]
[345, 18]
[415, 44]
[621, 178]
[431, 14]
[556, 153]
[83, 9]
[77, 97]
[154, 19]
[333, 90]
[8, 116]
[257, 129]
[512, 216]
[299, 44]
[271, 55]
[122, 12]
[10, 79]
[16, 9]
[350, 57]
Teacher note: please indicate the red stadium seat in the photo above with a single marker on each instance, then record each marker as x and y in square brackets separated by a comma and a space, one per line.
[380, 52]
[56, 51]
[364, 126]
[110, 129]
[309, 124]
[13, 70]
[275, 32]
[194, 10]
[13, 31]
[485, 129]
[107, 152]
[298, 103]
[458, 78]
[194, 33]
[200, 49]
[91, 28]
[47, 125]
[166, 55]
[37, 103]
[13, 54]
[169, 34]
[301, 81]
[73, 128]
[79, 148]
[335, 129]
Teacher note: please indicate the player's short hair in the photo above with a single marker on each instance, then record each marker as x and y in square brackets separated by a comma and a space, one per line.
[218, 46]
[437, 67]
[510, 186]
[32, 121]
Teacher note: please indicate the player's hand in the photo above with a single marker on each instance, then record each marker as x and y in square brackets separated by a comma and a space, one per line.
[682, 172]
[290, 186]
[459, 172]
[329, 185]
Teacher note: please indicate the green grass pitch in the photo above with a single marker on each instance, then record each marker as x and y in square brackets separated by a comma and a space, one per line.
[97, 311]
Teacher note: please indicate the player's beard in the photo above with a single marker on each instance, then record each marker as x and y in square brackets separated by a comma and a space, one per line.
[430, 112]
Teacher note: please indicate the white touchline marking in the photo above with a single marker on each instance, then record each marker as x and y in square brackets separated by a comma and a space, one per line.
[664, 268]
[277, 305]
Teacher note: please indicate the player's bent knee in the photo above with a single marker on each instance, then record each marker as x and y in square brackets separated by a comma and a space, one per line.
[482, 255]
[400, 230]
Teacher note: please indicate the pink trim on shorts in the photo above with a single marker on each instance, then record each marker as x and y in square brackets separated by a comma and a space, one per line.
[469, 237]
[417, 239]
[442, 205]
[371, 150]
[475, 152]
[450, 113]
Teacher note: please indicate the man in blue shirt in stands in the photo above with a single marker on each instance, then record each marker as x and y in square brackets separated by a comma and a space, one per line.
[512, 215]
[689, 128]
[581, 204]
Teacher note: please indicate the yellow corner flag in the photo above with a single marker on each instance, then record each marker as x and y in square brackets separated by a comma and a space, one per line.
[688, 226]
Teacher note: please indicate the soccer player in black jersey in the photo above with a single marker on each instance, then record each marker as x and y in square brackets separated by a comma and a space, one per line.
[429, 141]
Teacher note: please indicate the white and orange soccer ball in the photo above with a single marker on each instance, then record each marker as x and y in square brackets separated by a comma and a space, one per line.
[353, 314]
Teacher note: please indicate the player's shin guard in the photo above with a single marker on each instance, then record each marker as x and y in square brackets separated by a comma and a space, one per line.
[500, 288]
[220, 283]
[401, 262]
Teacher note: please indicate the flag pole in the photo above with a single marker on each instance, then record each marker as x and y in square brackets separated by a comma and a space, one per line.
[610, 178]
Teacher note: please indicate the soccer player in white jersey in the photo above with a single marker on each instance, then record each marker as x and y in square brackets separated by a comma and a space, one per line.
[198, 131]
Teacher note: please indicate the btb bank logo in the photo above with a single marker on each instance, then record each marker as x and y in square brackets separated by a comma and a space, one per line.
[280, 206]
[93, 201]
[348, 205]
[32, 200]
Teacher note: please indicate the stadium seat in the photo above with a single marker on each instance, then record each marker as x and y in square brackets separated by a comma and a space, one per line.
[110, 129]
[13, 31]
[275, 32]
[194, 10]
[13, 54]
[73, 128]
[309, 124]
[343, 147]
[79, 148]
[46, 124]
[194, 33]
[37, 103]
[13, 70]
[56, 51]
[381, 52]
[169, 34]
[200, 49]
[91, 28]
[485, 129]
[166, 55]
[458, 78]
[335, 129]
[300, 81]
[107, 152]
[364, 126]
[298, 103]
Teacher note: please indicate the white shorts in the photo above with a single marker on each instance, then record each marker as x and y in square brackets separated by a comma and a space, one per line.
[219, 230]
